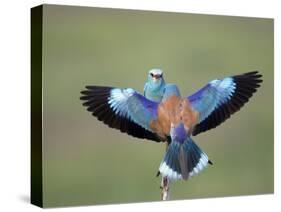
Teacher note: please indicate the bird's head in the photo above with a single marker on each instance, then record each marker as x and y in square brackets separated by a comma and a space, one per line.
[155, 77]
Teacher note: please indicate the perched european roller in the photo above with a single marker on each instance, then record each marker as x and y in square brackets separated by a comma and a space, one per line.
[173, 118]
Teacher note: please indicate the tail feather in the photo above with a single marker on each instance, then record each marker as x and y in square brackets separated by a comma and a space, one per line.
[170, 166]
[201, 160]
[183, 160]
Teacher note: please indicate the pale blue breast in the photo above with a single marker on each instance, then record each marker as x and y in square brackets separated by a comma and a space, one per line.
[154, 93]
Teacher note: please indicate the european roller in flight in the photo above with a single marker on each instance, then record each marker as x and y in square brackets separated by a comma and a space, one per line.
[167, 116]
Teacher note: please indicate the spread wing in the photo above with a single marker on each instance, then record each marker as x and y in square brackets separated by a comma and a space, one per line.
[221, 98]
[122, 109]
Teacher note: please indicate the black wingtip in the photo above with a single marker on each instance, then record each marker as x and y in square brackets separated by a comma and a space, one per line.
[254, 75]
[210, 162]
[251, 73]
[158, 173]
[84, 92]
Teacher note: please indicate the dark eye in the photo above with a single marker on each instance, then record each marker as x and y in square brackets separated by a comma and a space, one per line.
[161, 75]
[151, 75]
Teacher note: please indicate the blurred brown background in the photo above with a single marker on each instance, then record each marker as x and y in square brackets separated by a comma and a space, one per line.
[85, 162]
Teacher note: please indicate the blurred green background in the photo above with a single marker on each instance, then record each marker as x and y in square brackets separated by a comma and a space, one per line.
[85, 162]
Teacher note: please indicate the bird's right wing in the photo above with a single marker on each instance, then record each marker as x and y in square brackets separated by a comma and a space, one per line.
[123, 109]
[222, 97]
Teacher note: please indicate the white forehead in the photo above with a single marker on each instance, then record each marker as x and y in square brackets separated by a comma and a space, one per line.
[156, 71]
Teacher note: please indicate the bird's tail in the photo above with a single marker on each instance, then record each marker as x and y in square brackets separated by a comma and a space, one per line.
[183, 160]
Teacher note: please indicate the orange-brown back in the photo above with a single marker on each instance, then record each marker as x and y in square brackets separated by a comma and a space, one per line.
[173, 111]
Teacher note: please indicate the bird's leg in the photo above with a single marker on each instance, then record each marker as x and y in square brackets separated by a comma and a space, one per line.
[165, 190]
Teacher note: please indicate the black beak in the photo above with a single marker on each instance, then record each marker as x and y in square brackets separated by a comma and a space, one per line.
[157, 76]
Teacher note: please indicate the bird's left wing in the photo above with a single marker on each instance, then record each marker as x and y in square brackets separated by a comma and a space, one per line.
[123, 109]
[222, 97]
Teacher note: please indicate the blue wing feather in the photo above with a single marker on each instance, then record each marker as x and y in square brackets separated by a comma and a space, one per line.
[123, 109]
[211, 96]
[132, 105]
[216, 101]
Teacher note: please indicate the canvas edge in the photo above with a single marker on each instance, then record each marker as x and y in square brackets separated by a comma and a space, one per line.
[36, 191]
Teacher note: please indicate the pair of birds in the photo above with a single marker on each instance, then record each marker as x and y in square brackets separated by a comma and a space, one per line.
[162, 115]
